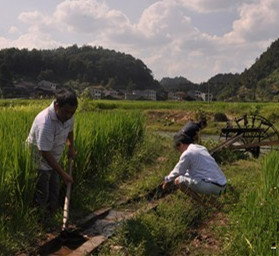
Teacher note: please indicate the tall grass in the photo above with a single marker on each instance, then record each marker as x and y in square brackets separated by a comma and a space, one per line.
[265, 109]
[99, 138]
[256, 222]
[16, 177]
[15, 161]
[228, 107]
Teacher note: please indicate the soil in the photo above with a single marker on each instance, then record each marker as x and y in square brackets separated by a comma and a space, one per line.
[205, 240]
[175, 116]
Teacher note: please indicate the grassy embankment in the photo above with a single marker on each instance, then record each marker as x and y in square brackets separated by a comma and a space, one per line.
[171, 228]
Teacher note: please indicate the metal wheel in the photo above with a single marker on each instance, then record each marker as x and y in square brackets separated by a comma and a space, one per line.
[255, 129]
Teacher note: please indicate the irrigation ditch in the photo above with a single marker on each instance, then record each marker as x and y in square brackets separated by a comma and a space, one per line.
[96, 228]
[93, 230]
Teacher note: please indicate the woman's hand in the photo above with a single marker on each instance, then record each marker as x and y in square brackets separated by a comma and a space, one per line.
[176, 181]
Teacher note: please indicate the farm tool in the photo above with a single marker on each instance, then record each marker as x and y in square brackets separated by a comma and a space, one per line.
[248, 133]
[66, 232]
[69, 237]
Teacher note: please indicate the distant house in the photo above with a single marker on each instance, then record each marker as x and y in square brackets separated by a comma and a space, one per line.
[99, 92]
[113, 94]
[130, 95]
[177, 96]
[47, 85]
[198, 95]
[29, 86]
[96, 92]
[207, 96]
[45, 89]
[141, 95]
[150, 95]
[24, 89]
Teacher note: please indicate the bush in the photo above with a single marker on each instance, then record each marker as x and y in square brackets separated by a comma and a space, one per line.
[220, 117]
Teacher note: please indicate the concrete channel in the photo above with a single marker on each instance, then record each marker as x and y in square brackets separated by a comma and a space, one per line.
[98, 226]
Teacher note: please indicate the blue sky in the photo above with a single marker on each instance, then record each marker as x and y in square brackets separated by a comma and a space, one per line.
[196, 39]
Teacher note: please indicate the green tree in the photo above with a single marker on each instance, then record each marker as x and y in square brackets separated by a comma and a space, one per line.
[86, 64]
[6, 78]
[47, 74]
[111, 83]
[131, 85]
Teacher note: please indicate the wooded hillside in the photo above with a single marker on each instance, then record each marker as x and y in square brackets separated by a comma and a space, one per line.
[84, 66]
[258, 83]
[93, 65]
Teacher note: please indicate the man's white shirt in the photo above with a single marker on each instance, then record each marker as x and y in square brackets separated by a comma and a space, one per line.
[48, 133]
[196, 163]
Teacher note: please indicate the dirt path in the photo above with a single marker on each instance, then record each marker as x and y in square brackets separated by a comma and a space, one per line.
[171, 116]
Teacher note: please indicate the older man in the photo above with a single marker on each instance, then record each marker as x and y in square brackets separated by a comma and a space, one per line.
[50, 131]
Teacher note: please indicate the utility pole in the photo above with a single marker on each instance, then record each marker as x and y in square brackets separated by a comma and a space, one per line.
[208, 92]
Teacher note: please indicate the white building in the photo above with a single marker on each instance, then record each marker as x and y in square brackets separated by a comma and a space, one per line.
[96, 92]
[141, 94]
[47, 85]
[113, 94]
[177, 96]
[198, 95]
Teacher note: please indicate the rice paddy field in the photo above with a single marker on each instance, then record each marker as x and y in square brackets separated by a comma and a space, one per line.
[121, 153]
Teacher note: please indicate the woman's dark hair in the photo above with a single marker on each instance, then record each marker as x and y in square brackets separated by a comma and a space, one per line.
[181, 138]
[65, 96]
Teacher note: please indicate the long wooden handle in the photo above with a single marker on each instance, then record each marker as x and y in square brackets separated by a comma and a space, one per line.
[67, 197]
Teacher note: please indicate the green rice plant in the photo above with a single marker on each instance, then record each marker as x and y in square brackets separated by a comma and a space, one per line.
[101, 140]
[28, 105]
[212, 107]
[270, 175]
[17, 174]
[16, 177]
[256, 220]
[99, 137]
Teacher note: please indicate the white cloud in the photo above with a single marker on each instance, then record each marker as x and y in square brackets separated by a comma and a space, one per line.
[88, 16]
[164, 37]
[36, 40]
[166, 19]
[4, 42]
[38, 23]
[31, 18]
[200, 56]
[257, 22]
[13, 30]
[205, 6]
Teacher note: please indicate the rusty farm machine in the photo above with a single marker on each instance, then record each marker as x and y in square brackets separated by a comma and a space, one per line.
[248, 133]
